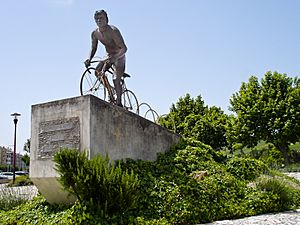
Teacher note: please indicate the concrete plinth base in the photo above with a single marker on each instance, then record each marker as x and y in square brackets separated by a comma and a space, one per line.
[89, 124]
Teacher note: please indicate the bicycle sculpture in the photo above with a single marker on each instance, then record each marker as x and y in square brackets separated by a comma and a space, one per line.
[97, 83]
[147, 112]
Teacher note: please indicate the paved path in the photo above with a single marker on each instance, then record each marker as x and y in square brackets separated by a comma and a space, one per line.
[295, 175]
[285, 218]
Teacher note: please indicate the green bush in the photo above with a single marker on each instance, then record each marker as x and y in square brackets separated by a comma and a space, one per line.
[102, 188]
[258, 202]
[214, 197]
[286, 191]
[190, 184]
[263, 151]
[143, 221]
[170, 190]
[295, 153]
[20, 181]
[275, 158]
[246, 168]
[37, 211]
[269, 154]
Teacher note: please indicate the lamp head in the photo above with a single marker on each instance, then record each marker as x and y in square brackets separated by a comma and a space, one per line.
[15, 115]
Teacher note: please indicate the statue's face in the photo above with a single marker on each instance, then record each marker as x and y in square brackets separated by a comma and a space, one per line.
[100, 20]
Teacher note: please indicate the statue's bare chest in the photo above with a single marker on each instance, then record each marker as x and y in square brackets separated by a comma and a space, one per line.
[106, 38]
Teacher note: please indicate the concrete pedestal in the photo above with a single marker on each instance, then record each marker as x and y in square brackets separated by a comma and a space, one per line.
[89, 124]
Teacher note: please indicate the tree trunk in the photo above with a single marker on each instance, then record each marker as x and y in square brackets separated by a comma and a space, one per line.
[284, 149]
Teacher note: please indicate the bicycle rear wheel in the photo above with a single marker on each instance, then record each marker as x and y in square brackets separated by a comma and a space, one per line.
[129, 101]
[90, 84]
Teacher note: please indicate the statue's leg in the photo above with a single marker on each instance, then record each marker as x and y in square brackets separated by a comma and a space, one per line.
[119, 69]
[99, 68]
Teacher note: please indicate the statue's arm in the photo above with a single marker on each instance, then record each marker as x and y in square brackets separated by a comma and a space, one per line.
[93, 46]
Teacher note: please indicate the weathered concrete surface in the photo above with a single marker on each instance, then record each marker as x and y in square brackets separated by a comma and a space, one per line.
[89, 124]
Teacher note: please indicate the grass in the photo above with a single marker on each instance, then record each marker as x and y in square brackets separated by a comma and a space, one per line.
[285, 188]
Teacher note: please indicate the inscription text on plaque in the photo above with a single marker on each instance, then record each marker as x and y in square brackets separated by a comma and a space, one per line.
[56, 134]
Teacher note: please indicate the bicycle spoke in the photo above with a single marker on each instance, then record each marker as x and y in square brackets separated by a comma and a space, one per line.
[130, 102]
[90, 84]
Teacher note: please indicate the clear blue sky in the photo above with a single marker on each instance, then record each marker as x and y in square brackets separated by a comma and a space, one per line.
[205, 48]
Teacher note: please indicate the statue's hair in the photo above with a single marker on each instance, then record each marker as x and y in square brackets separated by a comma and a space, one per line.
[98, 12]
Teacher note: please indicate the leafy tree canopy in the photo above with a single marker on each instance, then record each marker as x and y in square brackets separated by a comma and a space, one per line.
[268, 110]
[26, 147]
[191, 118]
[179, 111]
[209, 128]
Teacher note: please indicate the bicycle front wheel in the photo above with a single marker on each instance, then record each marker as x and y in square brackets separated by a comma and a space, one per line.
[90, 84]
[130, 102]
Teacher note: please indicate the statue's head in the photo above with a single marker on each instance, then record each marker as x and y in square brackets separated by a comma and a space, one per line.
[101, 18]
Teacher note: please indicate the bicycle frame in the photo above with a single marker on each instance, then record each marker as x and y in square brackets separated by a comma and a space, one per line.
[106, 84]
[92, 80]
[103, 77]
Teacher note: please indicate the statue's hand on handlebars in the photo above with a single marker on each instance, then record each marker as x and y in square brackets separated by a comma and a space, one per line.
[87, 63]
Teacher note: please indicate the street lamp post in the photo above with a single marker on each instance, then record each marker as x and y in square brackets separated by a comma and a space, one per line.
[15, 115]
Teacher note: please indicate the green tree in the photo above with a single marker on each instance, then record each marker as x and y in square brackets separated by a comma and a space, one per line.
[268, 110]
[179, 111]
[191, 118]
[209, 128]
[26, 147]
[26, 157]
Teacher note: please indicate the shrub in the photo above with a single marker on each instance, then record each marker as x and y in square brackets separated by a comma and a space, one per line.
[275, 158]
[101, 187]
[143, 221]
[20, 181]
[258, 202]
[37, 211]
[246, 168]
[286, 191]
[269, 154]
[196, 156]
[172, 190]
[295, 155]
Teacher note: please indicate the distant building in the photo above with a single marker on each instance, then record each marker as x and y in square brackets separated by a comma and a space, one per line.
[7, 159]
[1, 155]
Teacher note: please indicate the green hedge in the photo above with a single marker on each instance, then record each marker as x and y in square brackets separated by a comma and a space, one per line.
[190, 184]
